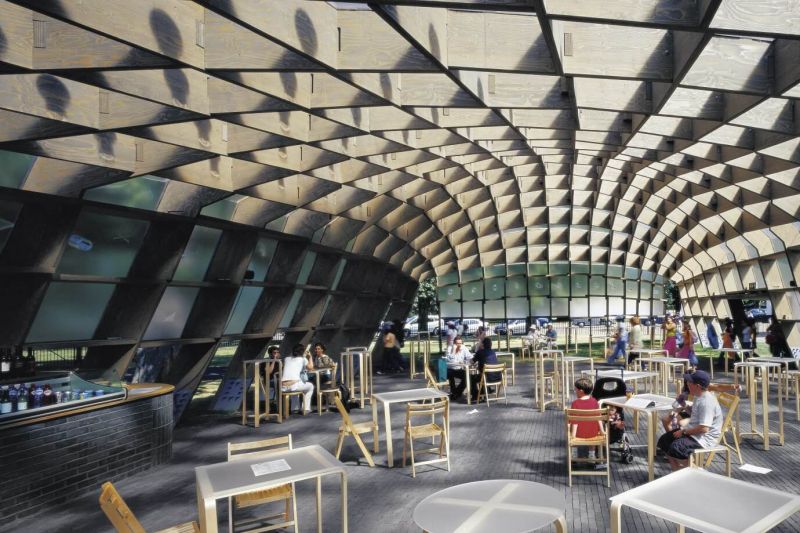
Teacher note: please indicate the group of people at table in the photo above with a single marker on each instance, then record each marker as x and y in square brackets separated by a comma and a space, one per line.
[293, 375]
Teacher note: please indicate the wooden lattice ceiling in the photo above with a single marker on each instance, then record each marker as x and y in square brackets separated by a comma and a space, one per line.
[436, 135]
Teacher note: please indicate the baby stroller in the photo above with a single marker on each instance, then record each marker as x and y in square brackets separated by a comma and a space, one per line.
[604, 388]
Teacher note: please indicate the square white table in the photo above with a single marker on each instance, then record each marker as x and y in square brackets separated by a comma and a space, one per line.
[661, 403]
[627, 375]
[703, 501]
[726, 352]
[401, 396]
[539, 379]
[663, 367]
[223, 480]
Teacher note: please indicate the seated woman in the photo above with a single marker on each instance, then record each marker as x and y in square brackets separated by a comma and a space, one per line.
[292, 381]
[321, 360]
[483, 357]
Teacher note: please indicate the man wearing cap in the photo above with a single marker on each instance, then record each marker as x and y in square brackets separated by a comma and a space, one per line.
[703, 429]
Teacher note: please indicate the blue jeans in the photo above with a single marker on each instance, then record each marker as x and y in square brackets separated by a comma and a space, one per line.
[619, 351]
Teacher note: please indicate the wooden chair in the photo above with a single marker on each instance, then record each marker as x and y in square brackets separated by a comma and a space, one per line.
[356, 430]
[431, 380]
[121, 516]
[488, 379]
[326, 389]
[600, 441]
[287, 395]
[730, 403]
[433, 428]
[285, 493]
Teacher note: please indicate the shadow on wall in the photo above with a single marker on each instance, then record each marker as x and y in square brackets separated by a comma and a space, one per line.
[55, 94]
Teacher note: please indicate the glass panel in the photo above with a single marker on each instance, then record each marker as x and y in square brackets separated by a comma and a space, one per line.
[245, 302]
[559, 286]
[291, 308]
[615, 286]
[451, 278]
[537, 269]
[597, 307]
[616, 306]
[70, 311]
[224, 209]
[560, 306]
[9, 211]
[517, 269]
[171, 314]
[495, 309]
[497, 271]
[631, 289]
[471, 274]
[580, 285]
[631, 273]
[630, 307]
[453, 292]
[197, 254]
[599, 268]
[262, 257]
[495, 288]
[579, 267]
[305, 269]
[517, 307]
[647, 275]
[15, 168]
[472, 291]
[579, 307]
[142, 192]
[102, 245]
[540, 306]
[539, 287]
[646, 290]
[658, 292]
[597, 285]
[657, 307]
[615, 271]
[450, 309]
[517, 287]
[473, 309]
[644, 307]
[559, 267]
[339, 272]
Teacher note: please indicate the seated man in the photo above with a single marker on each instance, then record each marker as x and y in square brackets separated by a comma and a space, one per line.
[550, 336]
[482, 357]
[703, 429]
[457, 358]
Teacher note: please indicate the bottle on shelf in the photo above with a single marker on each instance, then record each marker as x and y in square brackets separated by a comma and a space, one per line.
[22, 399]
[37, 396]
[5, 401]
[17, 362]
[5, 363]
[13, 397]
[48, 397]
[30, 362]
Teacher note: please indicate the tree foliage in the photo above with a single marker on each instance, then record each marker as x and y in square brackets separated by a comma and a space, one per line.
[425, 302]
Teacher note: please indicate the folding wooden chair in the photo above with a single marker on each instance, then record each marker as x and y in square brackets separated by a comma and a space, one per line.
[356, 430]
[573, 416]
[431, 380]
[285, 493]
[489, 379]
[434, 428]
[326, 389]
[730, 403]
[122, 518]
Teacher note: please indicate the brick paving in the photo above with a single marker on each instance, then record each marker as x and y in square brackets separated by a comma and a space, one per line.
[514, 441]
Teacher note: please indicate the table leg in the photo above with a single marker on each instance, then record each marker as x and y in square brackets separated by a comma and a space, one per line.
[256, 394]
[319, 504]
[513, 369]
[764, 408]
[561, 525]
[616, 517]
[344, 502]
[651, 443]
[244, 394]
[388, 421]
[780, 410]
[207, 510]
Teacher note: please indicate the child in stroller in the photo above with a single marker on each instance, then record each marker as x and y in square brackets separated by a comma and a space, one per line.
[609, 387]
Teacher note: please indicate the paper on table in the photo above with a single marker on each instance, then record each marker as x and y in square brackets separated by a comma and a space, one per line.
[640, 402]
[747, 467]
[270, 467]
[472, 412]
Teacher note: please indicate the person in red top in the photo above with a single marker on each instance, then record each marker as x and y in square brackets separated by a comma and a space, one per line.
[585, 430]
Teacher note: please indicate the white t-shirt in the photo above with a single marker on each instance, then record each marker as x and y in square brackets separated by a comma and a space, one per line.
[706, 412]
[292, 366]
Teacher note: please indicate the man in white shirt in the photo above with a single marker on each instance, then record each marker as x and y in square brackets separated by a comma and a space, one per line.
[452, 333]
[457, 358]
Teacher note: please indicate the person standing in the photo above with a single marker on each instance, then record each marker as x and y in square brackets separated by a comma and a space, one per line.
[687, 349]
[620, 342]
[727, 341]
[670, 342]
[391, 351]
[634, 339]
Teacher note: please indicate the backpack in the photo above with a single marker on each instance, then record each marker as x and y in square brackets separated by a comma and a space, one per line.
[344, 396]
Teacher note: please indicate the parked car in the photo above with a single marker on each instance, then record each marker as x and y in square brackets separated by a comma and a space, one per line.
[760, 315]
[540, 321]
[412, 325]
[470, 325]
[517, 327]
[582, 322]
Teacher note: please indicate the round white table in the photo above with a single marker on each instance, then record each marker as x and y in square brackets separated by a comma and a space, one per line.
[507, 505]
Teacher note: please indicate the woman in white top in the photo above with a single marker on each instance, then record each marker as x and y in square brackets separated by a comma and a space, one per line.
[291, 381]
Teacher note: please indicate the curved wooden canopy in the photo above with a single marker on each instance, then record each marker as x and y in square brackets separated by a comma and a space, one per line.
[436, 135]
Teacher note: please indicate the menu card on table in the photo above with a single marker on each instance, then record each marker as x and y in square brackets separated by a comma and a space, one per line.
[270, 467]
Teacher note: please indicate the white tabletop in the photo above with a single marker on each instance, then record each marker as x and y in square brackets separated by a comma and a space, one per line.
[648, 350]
[221, 480]
[711, 503]
[626, 375]
[490, 506]
[662, 403]
[410, 395]
[757, 364]
[668, 360]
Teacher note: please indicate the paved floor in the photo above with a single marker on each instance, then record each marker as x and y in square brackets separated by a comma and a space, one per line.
[513, 441]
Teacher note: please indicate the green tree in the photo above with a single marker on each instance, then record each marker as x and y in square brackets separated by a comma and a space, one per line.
[425, 302]
[673, 296]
